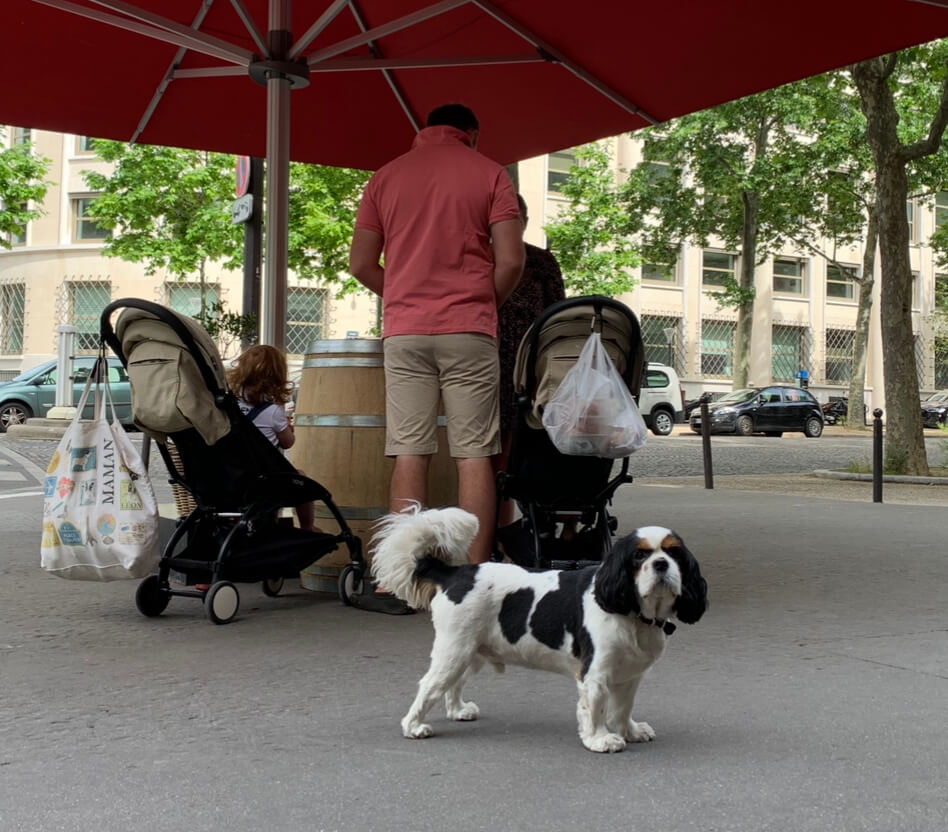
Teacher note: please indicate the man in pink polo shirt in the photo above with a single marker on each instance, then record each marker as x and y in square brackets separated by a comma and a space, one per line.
[447, 220]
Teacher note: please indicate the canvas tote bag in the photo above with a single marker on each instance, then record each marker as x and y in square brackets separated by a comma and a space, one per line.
[100, 515]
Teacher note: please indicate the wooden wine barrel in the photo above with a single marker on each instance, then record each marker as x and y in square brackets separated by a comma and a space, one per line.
[340, 441]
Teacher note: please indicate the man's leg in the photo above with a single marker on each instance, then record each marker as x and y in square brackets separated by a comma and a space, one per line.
[409, 482]
[477, 495]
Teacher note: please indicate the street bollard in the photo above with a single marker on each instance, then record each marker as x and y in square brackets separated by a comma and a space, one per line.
[706, 442]
[877, 455]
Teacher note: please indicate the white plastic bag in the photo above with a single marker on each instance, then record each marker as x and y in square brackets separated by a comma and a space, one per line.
[100, 515]
[592, 411]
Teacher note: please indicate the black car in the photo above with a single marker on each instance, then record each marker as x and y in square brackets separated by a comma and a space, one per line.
[772, 410]
[935, 410]
[695, 402]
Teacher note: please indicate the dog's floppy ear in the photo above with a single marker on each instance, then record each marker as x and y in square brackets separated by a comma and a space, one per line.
[615, 589]
[693, 601]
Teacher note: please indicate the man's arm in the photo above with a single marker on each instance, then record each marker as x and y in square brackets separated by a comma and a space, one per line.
[364, 257]
[507, 241]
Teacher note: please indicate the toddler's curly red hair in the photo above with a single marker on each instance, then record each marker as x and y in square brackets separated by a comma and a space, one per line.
[259, 376]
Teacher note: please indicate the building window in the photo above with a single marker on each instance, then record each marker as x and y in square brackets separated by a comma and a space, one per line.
[86, 229]
[941, 208]
[306, 309]
[788, 276]
[656, 331]
[22, 136]
[910, 216]
[85, 145]
[941, 362]
[655, 273]
[185, 297]
[558, 165]
[789, 352]
[840, 283]
[86, 301]
[718, 268]
[18, 238]
[916, 289]
[717, 348]
[941, 292]
[839, 356]
[12, 309]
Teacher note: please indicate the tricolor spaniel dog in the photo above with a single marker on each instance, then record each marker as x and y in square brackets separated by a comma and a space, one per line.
[605, 625]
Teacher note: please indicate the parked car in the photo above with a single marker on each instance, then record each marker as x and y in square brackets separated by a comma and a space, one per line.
[772, 410]
[935, 410]
[695, 402]
[661, 399]
[33, 393]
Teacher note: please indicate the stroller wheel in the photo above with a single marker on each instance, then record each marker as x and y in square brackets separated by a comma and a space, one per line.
[350, 582]
[150, 598]
[272, 587]
[221, 602]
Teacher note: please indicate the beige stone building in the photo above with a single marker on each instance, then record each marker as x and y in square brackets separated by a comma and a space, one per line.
[55, 274]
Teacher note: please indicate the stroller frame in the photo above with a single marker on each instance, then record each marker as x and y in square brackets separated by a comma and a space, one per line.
[536, 469]
[231, 536]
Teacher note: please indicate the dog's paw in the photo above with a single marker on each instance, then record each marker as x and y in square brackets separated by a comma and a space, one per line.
[605, 743]
[416, 730]
[639, 732]
[466, 712]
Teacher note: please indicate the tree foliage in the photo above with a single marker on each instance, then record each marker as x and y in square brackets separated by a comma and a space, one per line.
[22, 189]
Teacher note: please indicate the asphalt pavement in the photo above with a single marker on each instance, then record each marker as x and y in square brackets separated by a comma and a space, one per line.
[811, 696]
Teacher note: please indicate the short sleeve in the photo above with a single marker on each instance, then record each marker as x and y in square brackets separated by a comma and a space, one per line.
[367, 217]
[504, 204]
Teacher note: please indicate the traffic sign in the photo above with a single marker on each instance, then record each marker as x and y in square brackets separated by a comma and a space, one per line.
[242, 209]
[243, 175]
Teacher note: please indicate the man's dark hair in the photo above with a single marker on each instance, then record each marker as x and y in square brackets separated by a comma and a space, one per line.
[456, 115]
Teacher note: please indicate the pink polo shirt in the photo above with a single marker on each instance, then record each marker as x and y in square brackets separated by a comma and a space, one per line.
[434, 207]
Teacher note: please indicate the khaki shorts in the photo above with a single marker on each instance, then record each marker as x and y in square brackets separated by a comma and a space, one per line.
[459, 369]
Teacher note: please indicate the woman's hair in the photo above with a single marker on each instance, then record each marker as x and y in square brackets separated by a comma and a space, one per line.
[259, 376]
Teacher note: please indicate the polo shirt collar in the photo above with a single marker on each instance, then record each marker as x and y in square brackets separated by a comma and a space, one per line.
[441, 135]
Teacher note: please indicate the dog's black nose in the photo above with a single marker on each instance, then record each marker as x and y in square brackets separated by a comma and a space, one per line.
[660, 566]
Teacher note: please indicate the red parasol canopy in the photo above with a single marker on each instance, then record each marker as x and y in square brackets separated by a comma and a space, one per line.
[362, 74]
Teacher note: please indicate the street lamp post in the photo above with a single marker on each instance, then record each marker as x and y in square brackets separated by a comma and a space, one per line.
[670, 342]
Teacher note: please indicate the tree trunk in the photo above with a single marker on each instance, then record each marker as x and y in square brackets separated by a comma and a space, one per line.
[857, 384]
[745, 310]
[905, 442]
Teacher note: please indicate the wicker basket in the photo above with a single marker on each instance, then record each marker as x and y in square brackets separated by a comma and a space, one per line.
[184, 501]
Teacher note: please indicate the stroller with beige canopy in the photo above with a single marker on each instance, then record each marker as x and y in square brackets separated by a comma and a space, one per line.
[563, 499]
[236, 477]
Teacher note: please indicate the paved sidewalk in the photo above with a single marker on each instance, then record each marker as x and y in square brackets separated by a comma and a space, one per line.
[811, 696]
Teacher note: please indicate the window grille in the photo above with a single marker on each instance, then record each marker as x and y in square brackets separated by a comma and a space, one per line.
[839, 356]
[657, 346]
[717, 348]
[921, 359]
[85, 302]
[790, 352]
[12, 315]
[185, 297]
[306, 309]
[941, 362]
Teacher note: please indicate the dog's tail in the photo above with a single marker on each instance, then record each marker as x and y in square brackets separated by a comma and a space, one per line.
[402, 540]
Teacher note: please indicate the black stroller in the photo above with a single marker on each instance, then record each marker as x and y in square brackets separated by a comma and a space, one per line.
[555, 491]
[237, 478]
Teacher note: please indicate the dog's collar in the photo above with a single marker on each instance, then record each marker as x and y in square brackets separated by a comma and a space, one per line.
[666, 626]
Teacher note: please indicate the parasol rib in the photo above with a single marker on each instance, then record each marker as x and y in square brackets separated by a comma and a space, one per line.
[154, 26]
[312, 33]
[251, 27]
[351, 64]
[559, 58]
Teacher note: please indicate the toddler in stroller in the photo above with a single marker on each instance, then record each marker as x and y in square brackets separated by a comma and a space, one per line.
[557, 493]
[237, 478]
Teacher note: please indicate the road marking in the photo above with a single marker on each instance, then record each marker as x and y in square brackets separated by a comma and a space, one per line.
[19, 495]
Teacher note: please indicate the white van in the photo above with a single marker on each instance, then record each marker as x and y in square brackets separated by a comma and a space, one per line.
[661, 400]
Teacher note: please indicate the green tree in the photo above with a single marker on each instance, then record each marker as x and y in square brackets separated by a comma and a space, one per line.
[590, 234]
[753, 175]
[904, 97]
[21, 186]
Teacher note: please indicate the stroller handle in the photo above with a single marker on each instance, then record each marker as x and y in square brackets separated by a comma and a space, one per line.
[108, 335]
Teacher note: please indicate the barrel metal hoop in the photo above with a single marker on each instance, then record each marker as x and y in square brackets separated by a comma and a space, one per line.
[355, 421]
[345, 346]
[343, 362]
